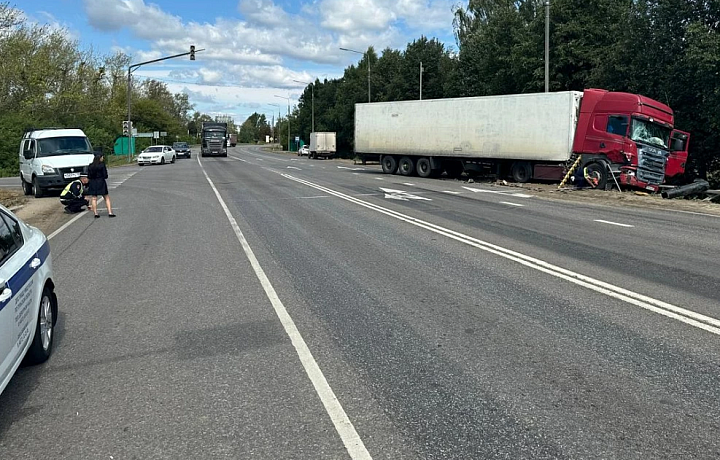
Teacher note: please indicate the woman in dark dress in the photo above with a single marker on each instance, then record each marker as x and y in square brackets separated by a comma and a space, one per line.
[97, 186]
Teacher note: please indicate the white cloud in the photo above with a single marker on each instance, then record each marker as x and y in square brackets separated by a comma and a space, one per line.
[263, 12]
[358, 16]
[246, 60]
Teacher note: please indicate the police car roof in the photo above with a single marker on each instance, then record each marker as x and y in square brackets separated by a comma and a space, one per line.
[46, 133]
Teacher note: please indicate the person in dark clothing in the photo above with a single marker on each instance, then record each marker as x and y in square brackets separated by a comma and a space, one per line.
[97, 173]
[73, 196]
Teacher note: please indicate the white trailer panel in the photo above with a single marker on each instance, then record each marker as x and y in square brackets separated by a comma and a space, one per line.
[538, 127]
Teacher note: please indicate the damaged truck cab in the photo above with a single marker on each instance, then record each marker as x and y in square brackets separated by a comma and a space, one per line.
[634, 134]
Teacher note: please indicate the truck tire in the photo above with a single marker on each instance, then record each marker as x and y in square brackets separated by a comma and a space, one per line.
[424, 168]
[389, 164]
[521, 171]
[37, 190]
[598, 173]
[27, 188]
[406, 166]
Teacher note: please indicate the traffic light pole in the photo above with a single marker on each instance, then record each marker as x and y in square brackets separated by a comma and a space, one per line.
[131, 69]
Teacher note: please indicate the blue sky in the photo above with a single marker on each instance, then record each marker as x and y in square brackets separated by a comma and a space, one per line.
[255, 48]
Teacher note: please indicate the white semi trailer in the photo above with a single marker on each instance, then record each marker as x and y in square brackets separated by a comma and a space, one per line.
[524, 136]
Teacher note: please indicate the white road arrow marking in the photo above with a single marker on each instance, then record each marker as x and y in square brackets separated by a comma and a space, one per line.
[401, 195]
[480, 190]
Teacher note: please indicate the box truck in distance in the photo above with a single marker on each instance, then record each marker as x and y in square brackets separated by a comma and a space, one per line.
[322, 145]
[525, 136]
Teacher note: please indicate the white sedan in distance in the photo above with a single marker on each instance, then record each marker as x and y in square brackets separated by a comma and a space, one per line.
[304, 151]
[157, 155]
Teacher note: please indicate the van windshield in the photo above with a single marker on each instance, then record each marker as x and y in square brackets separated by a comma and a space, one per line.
[650, 133]
[53, 146]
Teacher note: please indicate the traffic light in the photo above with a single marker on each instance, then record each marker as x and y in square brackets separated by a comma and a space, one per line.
[126, 128]
[192, 52]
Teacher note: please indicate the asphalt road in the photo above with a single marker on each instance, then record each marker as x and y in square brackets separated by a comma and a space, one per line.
[316, 309]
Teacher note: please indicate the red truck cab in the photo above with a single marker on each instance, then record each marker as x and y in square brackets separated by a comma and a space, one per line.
[632, 133]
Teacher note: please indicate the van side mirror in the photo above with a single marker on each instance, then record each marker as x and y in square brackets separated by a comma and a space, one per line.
[28, 154]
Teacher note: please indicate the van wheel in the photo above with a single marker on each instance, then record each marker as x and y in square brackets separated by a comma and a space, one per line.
[521, 171]
[173, 159]
[389, 164]
[41, 347]
[37, 190]
[27, 188]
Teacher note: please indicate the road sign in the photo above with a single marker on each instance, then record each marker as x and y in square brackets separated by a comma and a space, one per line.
[297, 138]
[144, 135]
[156, 135]
[163, 133]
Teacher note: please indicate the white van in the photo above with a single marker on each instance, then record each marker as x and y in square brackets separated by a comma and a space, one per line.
[51, 158]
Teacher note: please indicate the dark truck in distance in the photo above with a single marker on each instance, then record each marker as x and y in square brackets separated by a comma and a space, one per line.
[182, 149]
[213, 137]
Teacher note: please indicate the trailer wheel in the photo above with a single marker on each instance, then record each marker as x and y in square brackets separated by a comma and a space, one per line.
[424, 168]
[595, 175]
[389, 164]
[406, 166]
[521, 171]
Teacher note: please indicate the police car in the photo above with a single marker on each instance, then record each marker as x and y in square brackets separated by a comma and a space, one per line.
[28, 305]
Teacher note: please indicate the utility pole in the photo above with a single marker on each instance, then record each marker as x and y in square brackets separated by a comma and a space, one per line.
[274, 130]
[547, 46]
[421, 72]
[288, 118]
[368, 65]
[134, 67]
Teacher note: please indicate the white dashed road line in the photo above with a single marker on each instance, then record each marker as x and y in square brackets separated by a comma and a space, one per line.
[614, 223]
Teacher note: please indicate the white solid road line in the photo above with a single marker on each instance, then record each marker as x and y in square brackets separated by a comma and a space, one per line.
[512, 204]
[614, 223]
[690, 317]
[72, 221]
[344, 427]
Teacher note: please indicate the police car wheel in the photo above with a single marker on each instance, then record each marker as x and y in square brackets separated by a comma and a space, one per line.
[41, 347]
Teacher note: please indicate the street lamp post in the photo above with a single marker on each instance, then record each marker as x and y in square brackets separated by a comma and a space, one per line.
[312, 92]
[368, 65]
[134, 67]
[421, 72]
[547, 46]
[273, 128]
[288, 117]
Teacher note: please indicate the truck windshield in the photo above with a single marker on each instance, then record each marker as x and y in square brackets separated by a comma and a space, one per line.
[53, 146]
[649, 132]
[213, 135]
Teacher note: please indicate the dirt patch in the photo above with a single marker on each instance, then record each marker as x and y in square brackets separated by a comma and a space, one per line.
[44, 213]
[610, 198]
[12, 199]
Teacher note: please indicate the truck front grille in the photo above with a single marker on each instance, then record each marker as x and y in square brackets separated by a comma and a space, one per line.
[651, 165]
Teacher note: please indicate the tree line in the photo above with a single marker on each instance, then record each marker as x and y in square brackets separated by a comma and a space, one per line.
[668, 50]
[47, 79]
